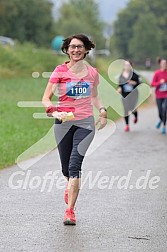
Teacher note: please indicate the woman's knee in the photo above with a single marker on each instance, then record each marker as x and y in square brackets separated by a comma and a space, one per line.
[75, 173]
[75, 165]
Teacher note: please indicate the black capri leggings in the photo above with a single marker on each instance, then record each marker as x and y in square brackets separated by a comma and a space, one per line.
[162, 109]
[129, 101]
[73, 139]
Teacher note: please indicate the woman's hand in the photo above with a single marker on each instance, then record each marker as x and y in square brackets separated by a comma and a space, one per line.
[59, 115]
[119, 90]
[102, 120]
[131, 82]
[162, 81]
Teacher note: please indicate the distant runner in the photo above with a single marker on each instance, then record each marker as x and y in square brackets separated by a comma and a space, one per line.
[159, 81]
[128, 81]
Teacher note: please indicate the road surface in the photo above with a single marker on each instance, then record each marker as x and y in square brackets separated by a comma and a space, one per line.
[125, 210]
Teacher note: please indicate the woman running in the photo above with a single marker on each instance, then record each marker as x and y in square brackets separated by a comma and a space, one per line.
[159, 81]
[76, 85]
[128, 81]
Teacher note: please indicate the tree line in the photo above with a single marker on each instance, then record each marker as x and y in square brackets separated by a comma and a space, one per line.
[33, 20]
[26, 20]
[139, 31]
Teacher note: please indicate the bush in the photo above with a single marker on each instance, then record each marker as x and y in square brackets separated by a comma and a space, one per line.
[23, 59]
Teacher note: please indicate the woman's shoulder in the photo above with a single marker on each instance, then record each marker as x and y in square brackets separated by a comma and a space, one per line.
[136, 73]
[61, 68]
[59, 71]
[157, 71]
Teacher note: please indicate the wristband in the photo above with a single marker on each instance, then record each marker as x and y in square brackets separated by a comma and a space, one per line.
[103, 114]
[103, 109]
[50, 110]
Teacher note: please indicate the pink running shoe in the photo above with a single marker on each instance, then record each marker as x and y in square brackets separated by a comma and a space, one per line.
[126, 128]
[69, 217]
[66, 195]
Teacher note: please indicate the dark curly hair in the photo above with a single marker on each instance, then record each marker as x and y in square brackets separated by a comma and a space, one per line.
[86, 41]
[160, 59]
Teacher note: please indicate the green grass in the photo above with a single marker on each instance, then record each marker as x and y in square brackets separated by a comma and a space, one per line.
[24, 59]
[19, 130]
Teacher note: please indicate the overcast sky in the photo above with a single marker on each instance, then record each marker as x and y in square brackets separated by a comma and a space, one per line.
[108, 8]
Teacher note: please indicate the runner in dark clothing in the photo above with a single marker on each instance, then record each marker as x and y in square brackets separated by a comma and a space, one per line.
[128, 81]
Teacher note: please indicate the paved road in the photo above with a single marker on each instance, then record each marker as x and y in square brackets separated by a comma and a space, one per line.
[109, 217]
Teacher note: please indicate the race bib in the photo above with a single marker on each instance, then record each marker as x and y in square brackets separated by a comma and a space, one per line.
[163, 87]
[77, 90]
[128, 88]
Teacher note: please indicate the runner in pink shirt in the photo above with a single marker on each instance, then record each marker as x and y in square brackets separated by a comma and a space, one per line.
[75, 83]
[159, 81]
[75, 92]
